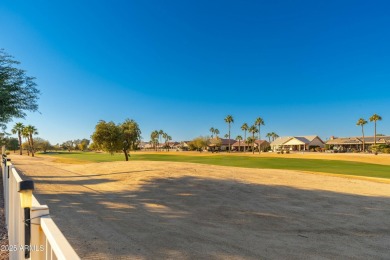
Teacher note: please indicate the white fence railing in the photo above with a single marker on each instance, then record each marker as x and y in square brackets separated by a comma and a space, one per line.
[47, 241]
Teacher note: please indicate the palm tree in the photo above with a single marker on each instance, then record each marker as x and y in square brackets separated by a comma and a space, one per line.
[229, 119]
[239, 138]
[226, 136]
[361, 122]
[274, 136]
[253, 130]
[269, 135]
[212, 131]
[31, 130]
[375, 118]
[18, 129]
[26, 137]
[160, 134]
[165, 137]
[216, 132]
[169, 138]
[244, 128]
[154, 138]
[259, 121]
[250, 141]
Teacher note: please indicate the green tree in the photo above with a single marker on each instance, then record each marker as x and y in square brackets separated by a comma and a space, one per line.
[259, 122]
[131, 136]
[229, 119]
[83, 145]
[199, 143]
[42, 145]
[361, 122]
[93, 147]
[375, 118]
[244, 128]
[68, 145]
[253, 130]
[76, 144]
[18, 129]
[12, 144]
[108, 137]
[239, 138]
[18, 92]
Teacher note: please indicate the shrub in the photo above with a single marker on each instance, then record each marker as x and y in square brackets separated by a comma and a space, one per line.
[386, 150]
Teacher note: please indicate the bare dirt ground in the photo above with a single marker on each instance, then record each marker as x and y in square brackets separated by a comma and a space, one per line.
[160, 210]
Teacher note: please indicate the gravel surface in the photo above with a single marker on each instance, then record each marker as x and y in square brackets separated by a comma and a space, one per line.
[3, 230]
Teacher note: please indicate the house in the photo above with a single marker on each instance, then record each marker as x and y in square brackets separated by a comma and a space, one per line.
[278, 142]
[220, 144]
[355, 143]
[184, 145]
[297, 143]
[239, 146]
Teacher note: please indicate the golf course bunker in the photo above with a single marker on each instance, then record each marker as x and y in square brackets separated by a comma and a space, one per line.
[159, 210]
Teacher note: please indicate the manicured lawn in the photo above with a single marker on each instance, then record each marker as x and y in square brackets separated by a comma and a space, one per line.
[314, 165]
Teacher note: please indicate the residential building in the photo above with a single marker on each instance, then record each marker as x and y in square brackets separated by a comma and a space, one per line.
[355, 143]
[297, 143]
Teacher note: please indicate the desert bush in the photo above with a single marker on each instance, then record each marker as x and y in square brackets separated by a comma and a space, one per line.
[386, 150]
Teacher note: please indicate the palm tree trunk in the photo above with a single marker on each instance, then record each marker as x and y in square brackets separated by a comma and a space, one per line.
[229, 137]
[363, 138]
[259, 138]
[259, 141]
[28, 146]
[245, 141]
[253, 143]
[20, 143]
[32, 145]
[374, 132]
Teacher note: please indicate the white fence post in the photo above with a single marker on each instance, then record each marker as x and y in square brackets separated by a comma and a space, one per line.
[38, 238]
[47, 241]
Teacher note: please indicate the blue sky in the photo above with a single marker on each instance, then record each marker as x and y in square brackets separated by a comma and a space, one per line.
[305, 67]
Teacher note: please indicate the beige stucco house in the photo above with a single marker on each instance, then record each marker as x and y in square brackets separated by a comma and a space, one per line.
[297, 143]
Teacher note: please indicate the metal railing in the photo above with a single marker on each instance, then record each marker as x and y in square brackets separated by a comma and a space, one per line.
[47, 240]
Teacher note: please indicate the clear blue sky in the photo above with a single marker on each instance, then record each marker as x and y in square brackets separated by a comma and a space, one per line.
[305, 67]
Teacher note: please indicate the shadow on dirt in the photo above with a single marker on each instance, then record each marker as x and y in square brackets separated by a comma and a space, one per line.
[193, 218]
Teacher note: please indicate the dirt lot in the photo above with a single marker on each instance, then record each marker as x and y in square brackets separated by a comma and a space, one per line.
[155, 210]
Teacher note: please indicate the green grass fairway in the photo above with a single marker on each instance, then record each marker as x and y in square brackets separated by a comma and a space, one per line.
[314, 165]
